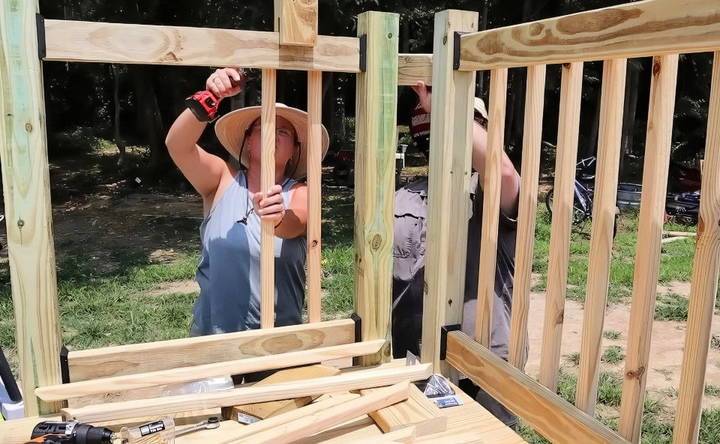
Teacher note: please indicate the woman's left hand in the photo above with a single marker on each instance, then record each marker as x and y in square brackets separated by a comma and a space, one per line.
[270, 206]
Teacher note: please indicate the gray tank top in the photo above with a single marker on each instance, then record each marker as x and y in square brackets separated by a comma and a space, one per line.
[229, 269]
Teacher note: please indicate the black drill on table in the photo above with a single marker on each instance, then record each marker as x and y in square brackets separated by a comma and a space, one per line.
[71, 432]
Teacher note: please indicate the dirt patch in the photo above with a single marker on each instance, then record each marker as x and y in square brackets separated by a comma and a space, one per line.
[183, 287]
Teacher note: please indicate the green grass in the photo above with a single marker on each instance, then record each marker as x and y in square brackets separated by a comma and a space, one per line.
[612, 335]
[712, 390]
[573, 358]
[671, 307]
[613, 354]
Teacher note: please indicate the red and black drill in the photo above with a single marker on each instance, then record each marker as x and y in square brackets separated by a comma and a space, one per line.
[70, 432]
[204, 104]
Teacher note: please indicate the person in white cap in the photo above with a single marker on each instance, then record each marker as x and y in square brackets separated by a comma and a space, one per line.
[234, 206]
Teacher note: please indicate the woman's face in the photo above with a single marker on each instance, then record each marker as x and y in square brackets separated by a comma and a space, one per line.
[285, 143]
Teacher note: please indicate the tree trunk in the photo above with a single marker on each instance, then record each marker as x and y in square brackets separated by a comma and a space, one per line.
[116, 119]
[631, 101]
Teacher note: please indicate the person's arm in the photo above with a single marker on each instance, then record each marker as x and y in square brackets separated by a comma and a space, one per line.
[202, 169]
[289, 222]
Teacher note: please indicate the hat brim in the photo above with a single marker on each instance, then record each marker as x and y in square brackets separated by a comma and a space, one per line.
[230, 130]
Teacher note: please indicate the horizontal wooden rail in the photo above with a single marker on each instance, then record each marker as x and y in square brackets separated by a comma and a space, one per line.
[248, 395]
[197, 372]
[163, 355]
[414, 67]
[546, 412]
[78, 41]
[649, 28]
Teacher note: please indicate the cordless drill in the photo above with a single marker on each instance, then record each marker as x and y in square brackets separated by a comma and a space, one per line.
[72, 432]
[204, 104]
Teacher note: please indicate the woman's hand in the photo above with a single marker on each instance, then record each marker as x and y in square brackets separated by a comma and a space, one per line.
[270, 206]
[424, 96]
[225, 82]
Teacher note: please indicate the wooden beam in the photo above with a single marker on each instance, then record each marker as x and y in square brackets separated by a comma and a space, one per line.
[267, 181]
[640, 29]
[647, 257]
[164, 355]
[414, 67]
[309, 425]
[527, 213]
[314, 180]
[706, 269]
[194, 373]
[491, 206]
[449, 184]
[562, 213]
[26, 193]
[612, 103]
[78, 41]
[245, 395]
[297, 22]
[274, 422]
[417, 411]
[375, 146]
[540, 408]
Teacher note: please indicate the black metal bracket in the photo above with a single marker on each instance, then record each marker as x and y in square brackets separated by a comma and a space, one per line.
[358, 326]
[42, 49]
[456, 49]
[64, 365]
[444, 330]
[363, 52]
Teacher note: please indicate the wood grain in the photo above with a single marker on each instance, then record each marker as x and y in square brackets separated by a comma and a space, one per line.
[414, 67]
[491, 206]
[198, 372]
[26, 194]
[78, 41]
[538, 407]
[417, 411]
[706, 269]
[562, 213]
[527, 212]
[375, 145]
[297, 22]
[267, 181]
[309, 387]
[640, 29]
[314, 179]
[647, 256]
[164, 355]
[449, 184]
[612, 103]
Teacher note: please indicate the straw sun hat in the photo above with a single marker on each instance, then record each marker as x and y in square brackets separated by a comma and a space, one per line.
[231, 128]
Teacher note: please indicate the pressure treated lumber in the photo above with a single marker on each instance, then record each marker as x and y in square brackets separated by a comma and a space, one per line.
[417, 411]
[706, 269]
[78, 41]
[26, 194]
[449, 184]
[297, 21]
[314, 179]
[195, 373]
[375, 145]
[641, 29]
[539, 407]
[267, 181]
[165, 355]
[527, 211]
[647, 257]
[414, 67]
[275, 421]
[173, 404]
[562, 213]
[311, 424]
[491, 186]
[612, 103]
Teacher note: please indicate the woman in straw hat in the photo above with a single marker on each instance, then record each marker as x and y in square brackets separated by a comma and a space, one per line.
[234, 206]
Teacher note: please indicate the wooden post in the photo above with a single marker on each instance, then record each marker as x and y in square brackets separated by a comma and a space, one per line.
[570, 96]
[647, 256]
[601, 240]
[705, 279]
[297, 22]
[375, 138]
[314, 178]
[267, 180]
[449, 185]
[527, 212]
[26, 190]
[491, 206]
